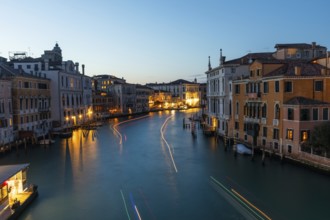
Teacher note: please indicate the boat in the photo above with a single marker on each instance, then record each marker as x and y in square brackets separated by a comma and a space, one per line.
[65, 134]
[46, 142]
[242, 149]
[17, 194]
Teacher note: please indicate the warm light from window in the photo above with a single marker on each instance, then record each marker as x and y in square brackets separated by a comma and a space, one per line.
[304, 136]
[290, 134]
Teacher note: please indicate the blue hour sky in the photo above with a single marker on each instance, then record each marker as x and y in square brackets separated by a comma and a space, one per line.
[158, 40]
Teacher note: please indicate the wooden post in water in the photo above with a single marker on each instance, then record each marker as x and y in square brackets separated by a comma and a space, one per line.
[225, 142]
[263, 157]
[235, 147]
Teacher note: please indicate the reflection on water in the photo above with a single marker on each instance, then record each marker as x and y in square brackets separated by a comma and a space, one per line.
[93, 176]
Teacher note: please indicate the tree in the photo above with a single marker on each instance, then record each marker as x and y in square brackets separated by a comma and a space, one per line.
[320, 137]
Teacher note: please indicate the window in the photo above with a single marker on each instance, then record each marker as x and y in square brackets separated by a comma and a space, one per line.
[319, 86]
[233, 70]
[266, 88]
[229, 107]
[26, 85]
[315, 114]
[288, 86]
[277, 111]
[237, 108]
[289, 148]
[264, 111]
[289, 134]
[251, 73]
[304, 135]
[236, 125]
[304, 114]
[258, 72]
[237, 89]
[290, 114]
[28, 66]
[277, 86]
[276, 134]
[264, 131]
[325, 114]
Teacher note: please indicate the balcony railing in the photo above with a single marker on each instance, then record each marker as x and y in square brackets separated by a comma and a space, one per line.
[43, 109]
[254, 95]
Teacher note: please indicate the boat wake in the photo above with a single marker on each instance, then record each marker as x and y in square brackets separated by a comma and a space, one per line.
[168, 146]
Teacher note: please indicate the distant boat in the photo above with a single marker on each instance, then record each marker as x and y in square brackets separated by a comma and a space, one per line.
[46, 142]
[242, 149]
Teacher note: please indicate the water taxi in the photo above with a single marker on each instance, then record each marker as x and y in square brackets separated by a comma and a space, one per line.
[15, 192]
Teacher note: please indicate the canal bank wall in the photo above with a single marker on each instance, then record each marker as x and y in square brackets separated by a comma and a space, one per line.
[305, 160]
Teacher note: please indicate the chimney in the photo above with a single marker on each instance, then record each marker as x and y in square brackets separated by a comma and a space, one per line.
[77, 67]
[323, 71]
[313, 45]
[297, 70]
[83, 69]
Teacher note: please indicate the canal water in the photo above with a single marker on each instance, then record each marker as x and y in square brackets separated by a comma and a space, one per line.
[153, 168]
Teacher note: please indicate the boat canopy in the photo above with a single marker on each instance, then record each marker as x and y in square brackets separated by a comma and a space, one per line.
[7, 171]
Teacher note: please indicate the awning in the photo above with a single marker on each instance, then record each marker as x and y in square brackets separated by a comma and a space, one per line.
[7, 171]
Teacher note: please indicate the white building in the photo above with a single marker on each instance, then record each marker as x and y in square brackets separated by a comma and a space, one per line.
[219, 88]
[124, 97]
[183, 92]
[71, 91]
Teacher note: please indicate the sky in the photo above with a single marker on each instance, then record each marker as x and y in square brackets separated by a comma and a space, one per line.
[149, 41]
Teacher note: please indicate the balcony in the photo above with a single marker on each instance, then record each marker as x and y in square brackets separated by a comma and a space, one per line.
[263, 121]
[254, 95]
[251, 120]
[275, 122]
[43, 109]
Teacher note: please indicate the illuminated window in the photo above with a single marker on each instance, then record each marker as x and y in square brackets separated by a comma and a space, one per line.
[289, 134]
[304, 135]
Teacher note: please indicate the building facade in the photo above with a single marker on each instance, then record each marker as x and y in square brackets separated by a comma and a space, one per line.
[70, 90]
[6, 112]
[31, 102]
[183, 92]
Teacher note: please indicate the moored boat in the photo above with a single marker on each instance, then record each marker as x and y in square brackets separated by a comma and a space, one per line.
[65, 134]
[17, 194]
[46, 142]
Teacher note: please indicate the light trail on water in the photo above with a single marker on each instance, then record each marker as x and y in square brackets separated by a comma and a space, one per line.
[129, 120]
[241, 200]
[168, 146]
